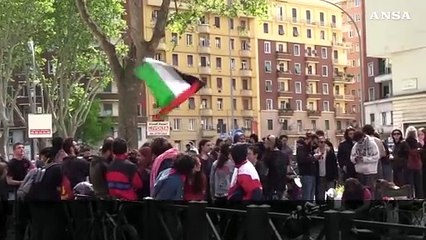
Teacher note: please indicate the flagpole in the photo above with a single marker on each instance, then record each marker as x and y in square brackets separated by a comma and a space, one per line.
[230, 74]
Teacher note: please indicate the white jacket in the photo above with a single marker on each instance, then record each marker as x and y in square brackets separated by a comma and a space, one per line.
[369, 151]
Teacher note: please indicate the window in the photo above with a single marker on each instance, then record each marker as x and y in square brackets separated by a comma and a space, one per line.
[351, 34]
[371, 94]
[233, 63]
[158, 56]
[190, 60]
[270, 124]
[281, 30]
[298, 87]
[357, 3]
[308, 16]
[217, 22]
[372, 118]
[192, 124]
[232, 43]
[265, 28]
[296, 50]
[204, 104]
[269, 104]
[268, 66]
[218, 42]
[234, 84]
[357, 18]
[175, 59]
[247, 104]
[245, 84]
[219, 104]
[384, 122]
[175, 38]
[189, 40]
[324, 54]
[295, 32]
[107, 109]
[191, 103]
[299, 126]
[107, 88]
[268, 86]
[176, 124]
[297, 68]
[219, 83]
[322, 35]
[333, 20]
[294, 14]
[231, 23]
[338, 125]
[314, 124]
[280, 13]
[267, 47]
[218, 62]
[326, 106]
[234, 104]
[285, 124]
[309, 33]
[327, 124]
[325, 71]
[322, 19]
[370, 69]
[299, 106]
[325, 90]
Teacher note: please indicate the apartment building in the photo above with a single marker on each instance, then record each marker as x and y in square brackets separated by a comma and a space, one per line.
[222, 53]
[302, 59]
[405, 46]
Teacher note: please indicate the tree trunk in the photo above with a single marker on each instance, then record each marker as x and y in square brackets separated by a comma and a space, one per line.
[129, 90]
[4, 139]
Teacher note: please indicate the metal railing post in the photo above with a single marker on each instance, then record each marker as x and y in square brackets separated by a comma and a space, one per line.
[258, 222]
[196, 223]
[151, 224]
[332, 225]
[346, 223]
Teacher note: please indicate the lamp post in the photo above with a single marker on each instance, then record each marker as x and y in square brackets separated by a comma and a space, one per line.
[32, 92]
[361, 56]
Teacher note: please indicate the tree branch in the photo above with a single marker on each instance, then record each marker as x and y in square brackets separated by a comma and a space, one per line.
[160, 24]
[106, 45]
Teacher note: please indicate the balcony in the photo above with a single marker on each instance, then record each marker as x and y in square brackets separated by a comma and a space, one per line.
[284, 93]
[342, 97]
[340, 62]
[284, 74]
[206, 112]
[243, 31]
[342, 114]
[383, 78]
[209, 132]
[311, 58]
[283, 55]
[247, 113]
[285, 112]
[162, 46]
[205, 91]
[206, 70]
[340, 44]
[343, 78]
[203, 28]
[312, 94]
[246, 72]
[245, 53]
[205, 49]
[340, 132]
[246, 93]
[314, 113]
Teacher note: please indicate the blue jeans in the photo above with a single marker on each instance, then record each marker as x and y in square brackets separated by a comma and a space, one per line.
[308, 187]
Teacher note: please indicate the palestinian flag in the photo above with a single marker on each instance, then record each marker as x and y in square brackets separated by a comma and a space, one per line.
[169, 86]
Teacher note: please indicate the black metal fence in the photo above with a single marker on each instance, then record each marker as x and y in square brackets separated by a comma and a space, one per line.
[200, 221]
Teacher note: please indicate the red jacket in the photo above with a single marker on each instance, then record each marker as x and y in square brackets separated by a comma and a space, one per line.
[190, 195]
[123, 179]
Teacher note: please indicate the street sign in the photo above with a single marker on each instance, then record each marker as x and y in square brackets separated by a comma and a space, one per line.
[40, 126]
[158, 128]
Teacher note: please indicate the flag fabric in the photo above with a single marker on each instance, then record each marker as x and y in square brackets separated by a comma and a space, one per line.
[169, 86]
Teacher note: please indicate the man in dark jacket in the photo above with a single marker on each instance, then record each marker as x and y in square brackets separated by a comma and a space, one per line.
[344, 154]
[307, 165]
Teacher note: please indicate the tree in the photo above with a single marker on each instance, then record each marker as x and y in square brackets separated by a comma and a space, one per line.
[140, 45]
[94, 128]
[78, 69]
[16, 28]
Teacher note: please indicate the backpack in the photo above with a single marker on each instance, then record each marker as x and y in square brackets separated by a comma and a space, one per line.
[33, 177]
[414, 161]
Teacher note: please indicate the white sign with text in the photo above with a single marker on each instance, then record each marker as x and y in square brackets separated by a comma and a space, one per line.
[40, 126]
[158, 128]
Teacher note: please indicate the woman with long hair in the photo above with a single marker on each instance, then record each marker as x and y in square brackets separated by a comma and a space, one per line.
[205, 147]
[422, 139]
[164, 155]
[57, 151]
[221, 174]
[356, 197]
[196, 183]
[145, 164]
[414, 162]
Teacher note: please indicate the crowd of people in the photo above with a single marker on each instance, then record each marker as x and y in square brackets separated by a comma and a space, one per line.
[235, 169]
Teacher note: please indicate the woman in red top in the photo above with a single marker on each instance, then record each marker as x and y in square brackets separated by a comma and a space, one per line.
[195, 185]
